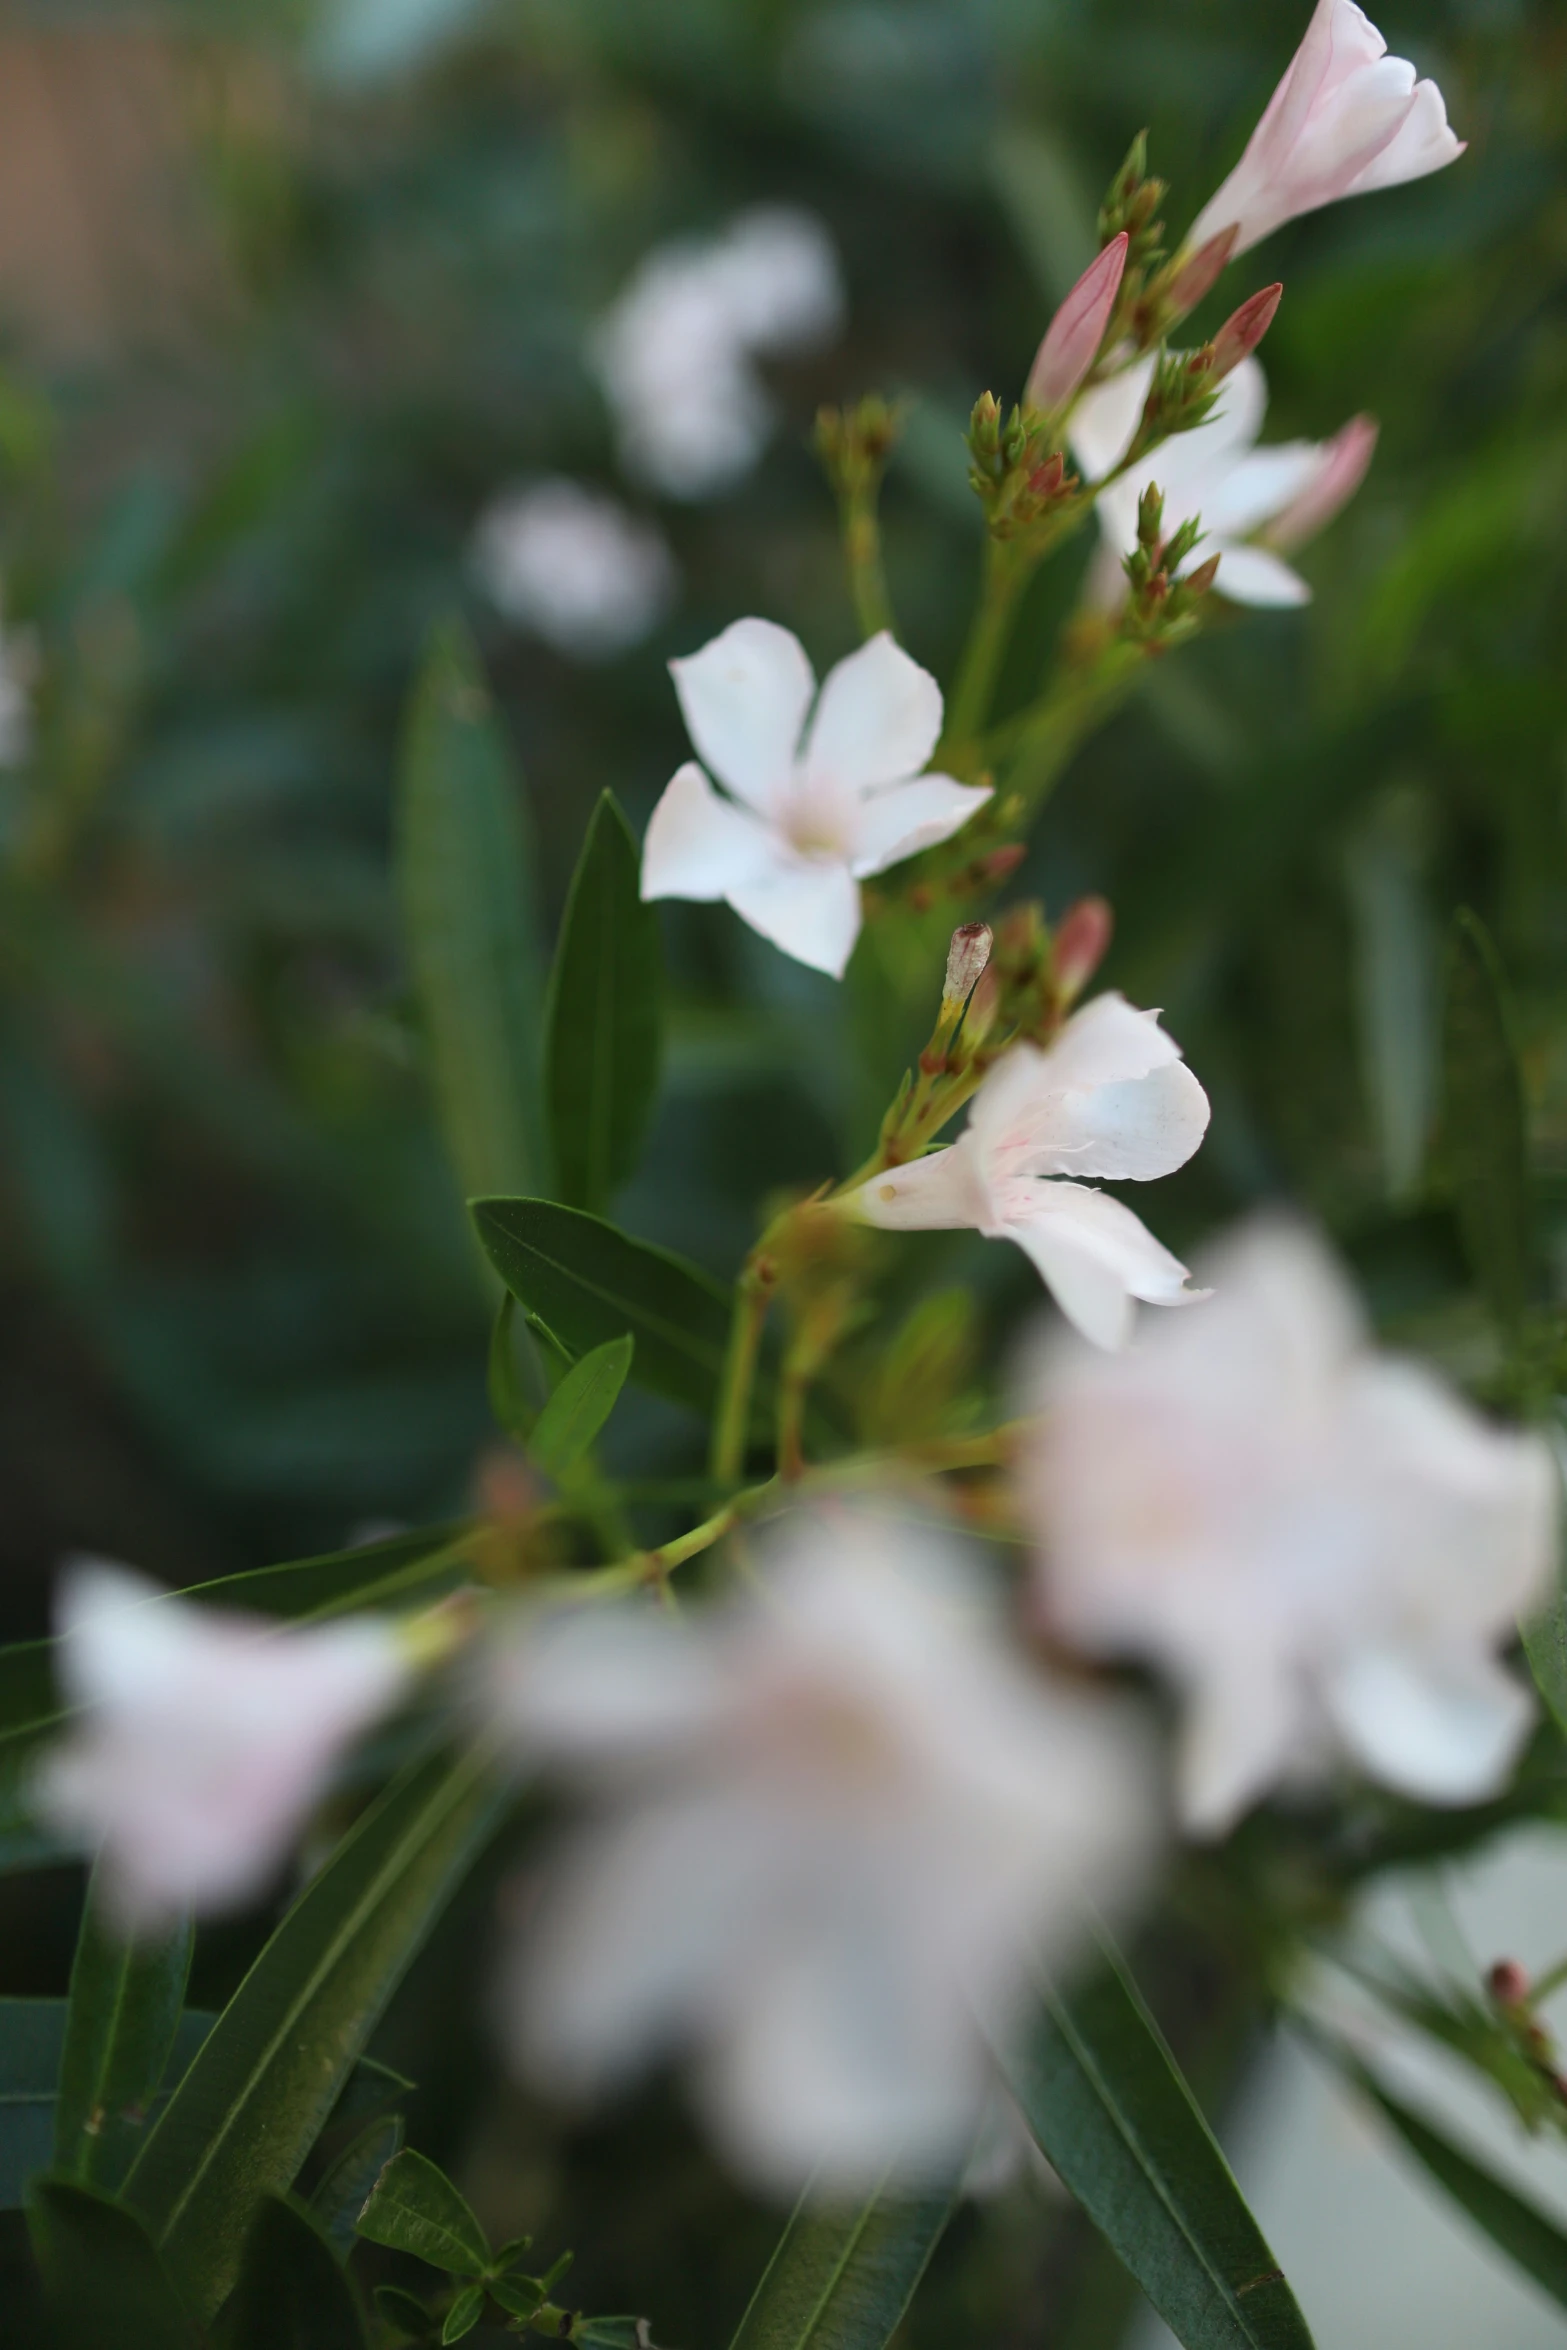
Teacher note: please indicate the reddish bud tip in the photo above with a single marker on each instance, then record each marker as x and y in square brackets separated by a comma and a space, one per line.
[1073, 337]
[1001, 864]
[966, 959]
[1202, 272]
[1243, 330]
[1198, 582]
[1082, 941]
[1508, 1983]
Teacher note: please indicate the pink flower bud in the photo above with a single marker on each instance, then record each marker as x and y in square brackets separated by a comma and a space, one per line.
[1508, 1983]
[966, 959]
[1345, 462]
[1202, 272]
[1243, 330]
[1073, 337]
[1082, 941]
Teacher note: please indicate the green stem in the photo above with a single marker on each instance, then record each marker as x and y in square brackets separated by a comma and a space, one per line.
[732, 1424]
[863, 556]
[1007, 571]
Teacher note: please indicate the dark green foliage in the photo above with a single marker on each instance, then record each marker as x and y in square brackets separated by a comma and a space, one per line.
[342, 2195]
[1484, 1124]
[102, 2279]
[291, 2293]
[125, 2006]
[415, 2208]
[604, 1025]
[842, 2278]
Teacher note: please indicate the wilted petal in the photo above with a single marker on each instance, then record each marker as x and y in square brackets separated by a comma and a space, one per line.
[1442, 1734]
[876, 722]
[700, 846]
[906, 817]
[1095, 1257]
[744, 697]
[810, 909]
[1256, 576]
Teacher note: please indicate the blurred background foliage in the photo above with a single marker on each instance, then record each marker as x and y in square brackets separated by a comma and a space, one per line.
[288, 294]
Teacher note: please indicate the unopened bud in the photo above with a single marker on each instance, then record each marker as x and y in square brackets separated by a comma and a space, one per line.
[1150, 517]
[1345, 462]
[1508, 1983]
[966, 959]
[1198, 582]
[1082, 941]
[1243, 330]
[1000, 864]
[1072, 339]
[983, 1005]
[1202, 272]
[1045, 480]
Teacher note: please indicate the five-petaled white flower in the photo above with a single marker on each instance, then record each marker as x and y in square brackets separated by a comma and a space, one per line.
[1322, 1545]
[838, 1826]
[204, 1738]
[572, 566]
[1246, 496]
[1111, 1097]
[814, 808]
[1345, 120]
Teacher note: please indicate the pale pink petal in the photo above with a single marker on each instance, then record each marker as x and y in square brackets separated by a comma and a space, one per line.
[595, 1683]
[906, 817]
[809, 909]
[1259, 486]
[1072, 339]
[943, 1192]
[876, 722]
[700, 846]
[744, 697]
[1424, 143]
[1239, 1735]
[1440, 1733]
[1256, 576]
[1095, 1257]
[1345, 461]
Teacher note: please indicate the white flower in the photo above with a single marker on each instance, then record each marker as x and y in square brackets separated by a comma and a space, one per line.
[1111, 1097]
[814, 809]
[1346, 119]
[839, 1826]
[574, 567]
[676, 353]
[204, 1737]
[1217, 472]
[1322, 1545]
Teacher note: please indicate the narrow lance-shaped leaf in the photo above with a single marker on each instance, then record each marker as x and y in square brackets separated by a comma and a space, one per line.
[842, 2278]
[580, 1405]
[103, 2281]
[1485, 1132]
[1108, 2107]
[291, 2293]
[605, 1020]
[1530, 2237]
[465, 873]
[124, 2010]
[255, 2099]
[591, 1284]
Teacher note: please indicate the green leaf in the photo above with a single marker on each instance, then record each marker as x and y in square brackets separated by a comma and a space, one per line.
[591, 1284]
[465, 874]
[580, 1405]
[291, 2293]
[604, 1025]
[415, 2208]
[1485, 1131]
[464, 2313]
[124, 2010]
[403, 2313]
[343, 2193]
[840, 2279]
[1108, 2107]
[518, 2296]
[1529, 2236]
[103, 2282]
[611, 2333]
[252, 2104]
[509, 1406]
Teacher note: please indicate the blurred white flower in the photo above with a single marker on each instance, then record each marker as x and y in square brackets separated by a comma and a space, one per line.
[572, 566]
[204, 1738]
[1110, 1097]
[1322, 1545]
[1242, 493]
[676, 353]
[815, 809]
[839, 1828]
[1345, 120]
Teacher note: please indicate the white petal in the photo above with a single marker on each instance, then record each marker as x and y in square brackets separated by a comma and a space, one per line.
[1258, 486]
[943, 1192]
[1240, 1730]
[895, 823]
[1131, 1133]
[1105, 418]
[1255, 575]
[1424, 143]
[1441, 1733]
[811, 910]
[876, 722]
[1106, 1043]
[700, 846]
[744, 699]
[1095, 1257]
[595, 1684]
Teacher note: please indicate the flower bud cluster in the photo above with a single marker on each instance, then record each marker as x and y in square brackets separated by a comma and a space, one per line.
[1019, 477]
[1163, 607]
